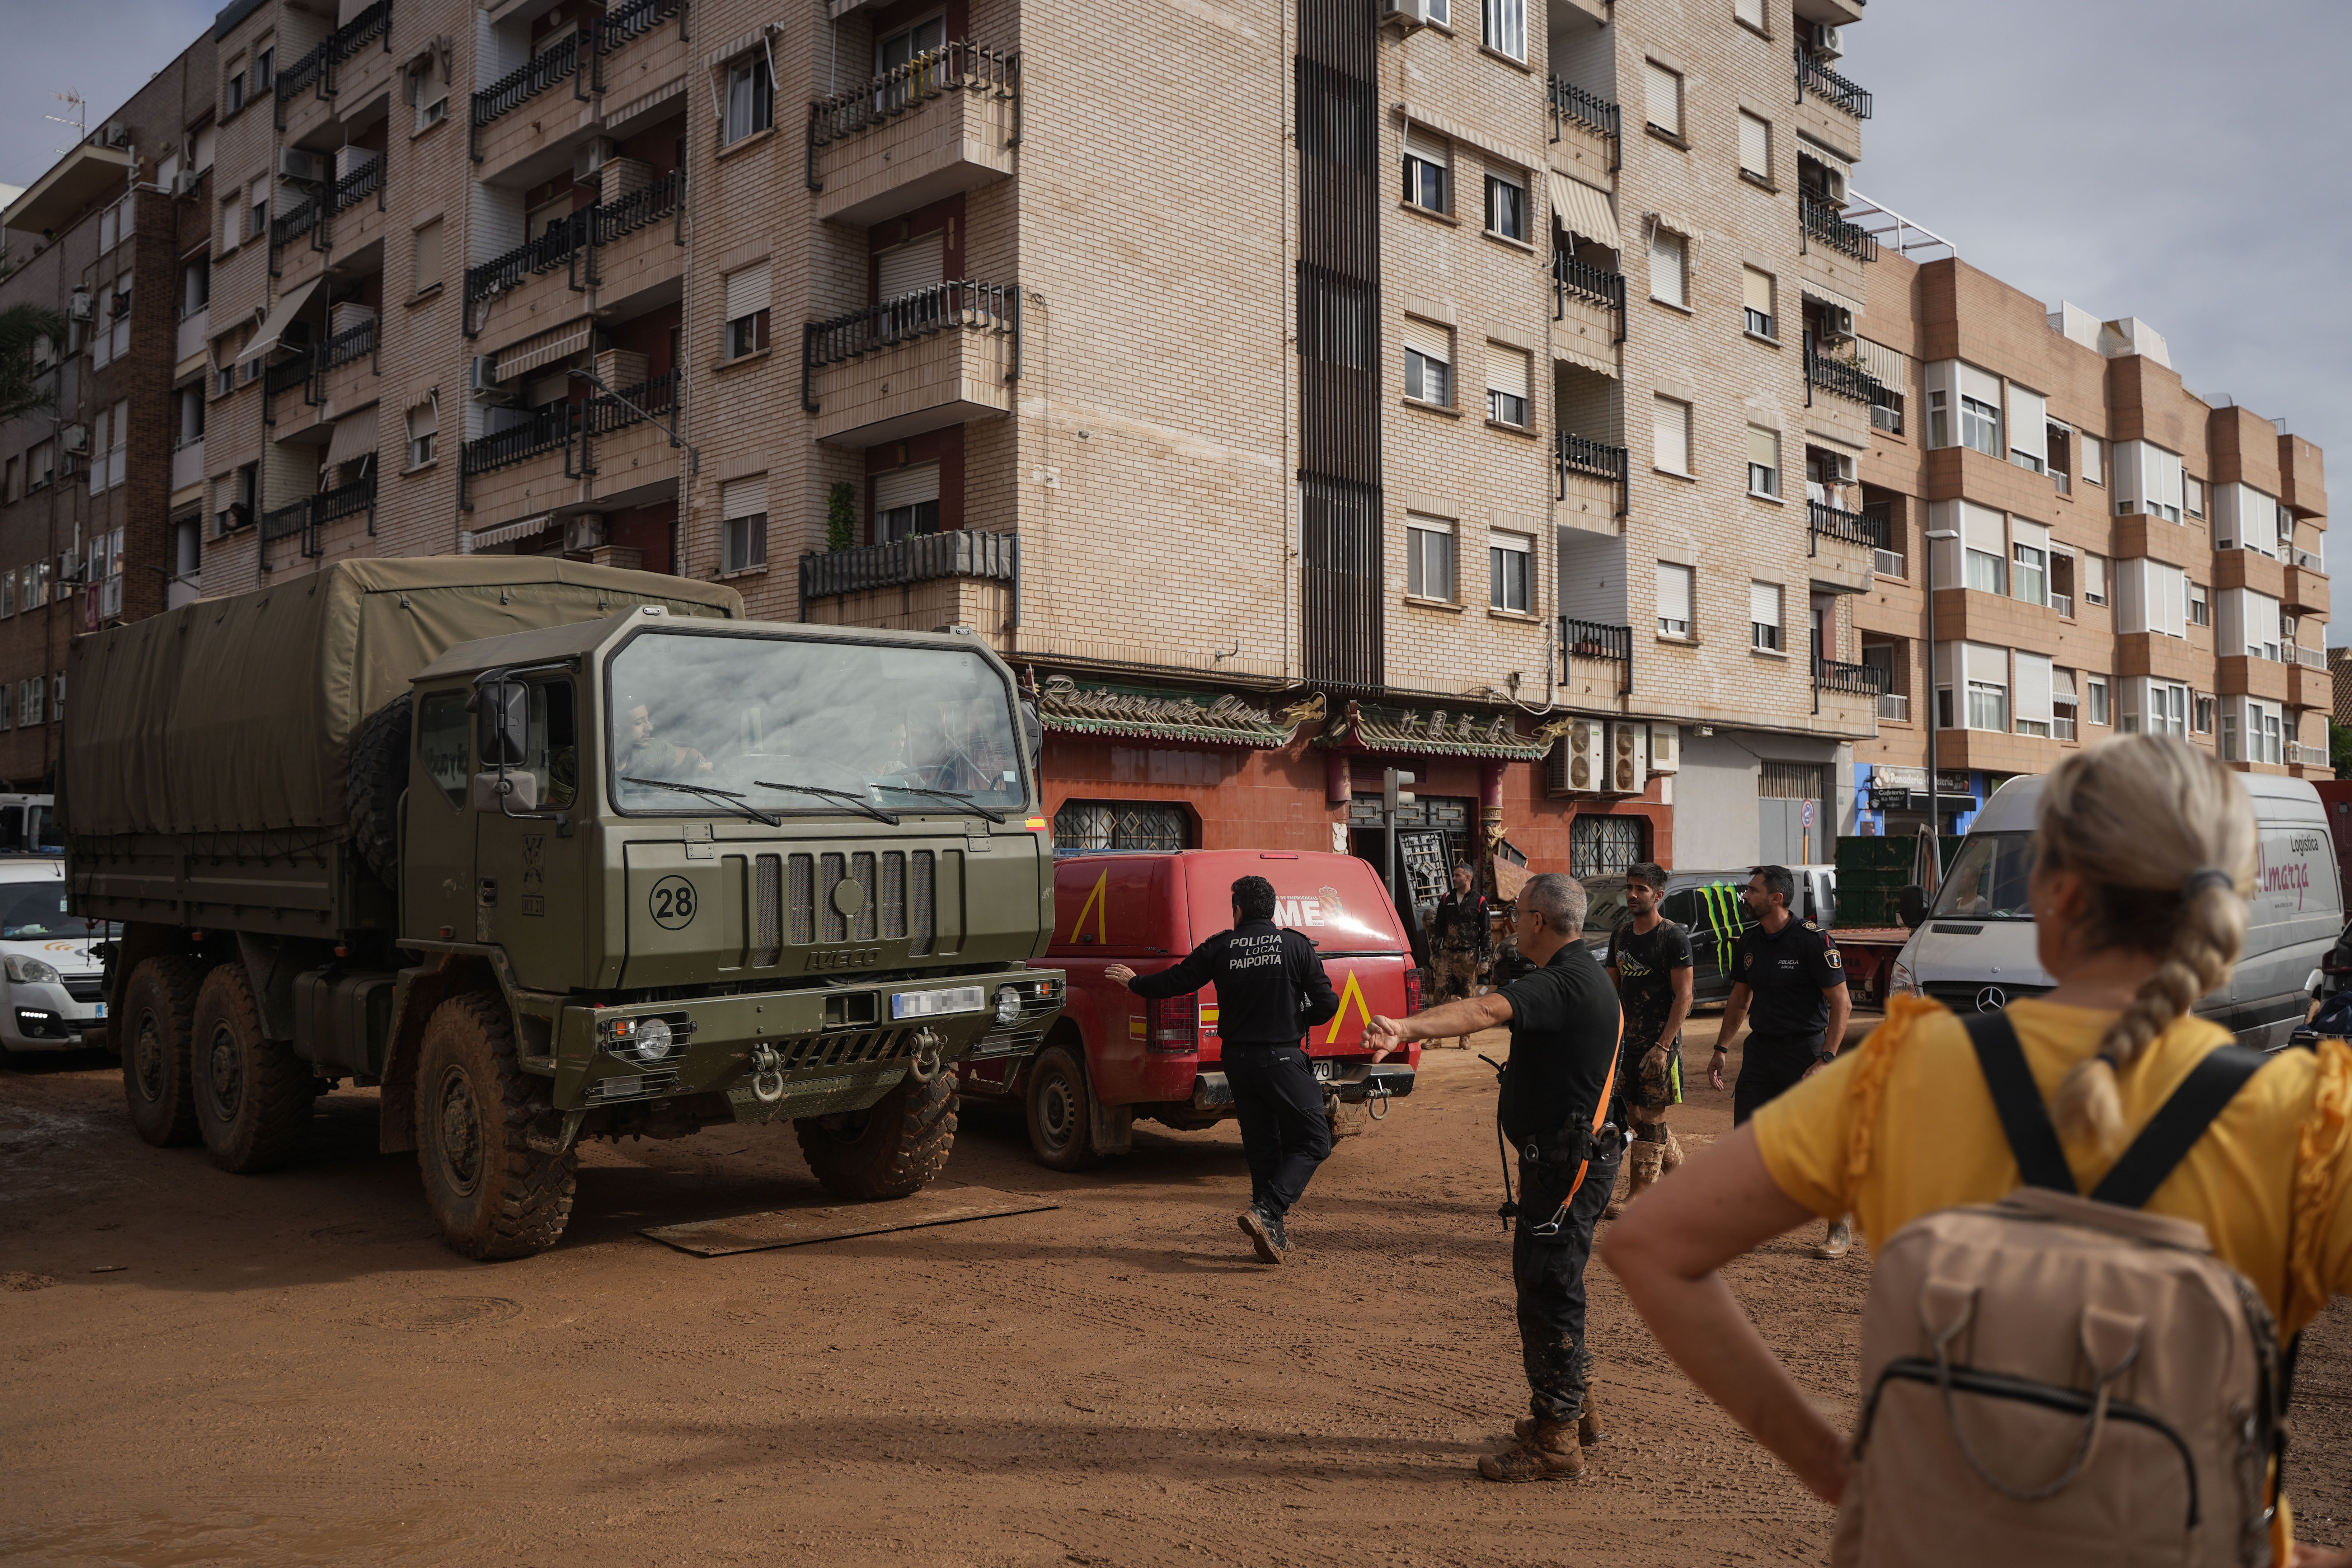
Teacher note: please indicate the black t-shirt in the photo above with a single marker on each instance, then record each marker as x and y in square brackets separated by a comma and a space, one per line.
[1645, 966]
[1462, 922]
[1564, 1028]
[1271, 987]
[1785, 976]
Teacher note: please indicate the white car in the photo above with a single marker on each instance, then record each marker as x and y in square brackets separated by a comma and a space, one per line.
[52, 978]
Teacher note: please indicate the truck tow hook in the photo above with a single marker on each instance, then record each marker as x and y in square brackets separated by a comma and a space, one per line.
[927, 1064]
[1376, 1101]
[767, 1075]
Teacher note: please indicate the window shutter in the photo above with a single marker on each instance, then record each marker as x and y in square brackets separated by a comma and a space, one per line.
[428, 255]
[1981, 530]
[909, 268]
[423, 420]
[2034, 688]
[1755, 145]
[1508, 371]
[2029, 423]
[2094, 460]
[747, 292]
[1763, 447]
[1670, 439]
[1764, 604]
[1750, 12]
[1666, 266]
[743, 497]
[2095, 576]
[1979, 385]
[2033, 535]
[1664, 97]
[1756, 289]
[1674, 592]
[1429, 149]
[1428, 341]
[909, 485]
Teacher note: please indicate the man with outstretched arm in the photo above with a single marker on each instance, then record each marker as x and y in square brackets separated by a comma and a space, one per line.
[1557, 1086]
[1271, 989]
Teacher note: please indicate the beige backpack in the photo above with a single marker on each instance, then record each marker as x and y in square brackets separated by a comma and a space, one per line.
[2061, 1379]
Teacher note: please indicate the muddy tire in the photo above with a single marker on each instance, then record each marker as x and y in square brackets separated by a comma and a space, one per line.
[159, 1005]
[1061, 1110]
[493, 1195]
[888, 1151]
[253, 1095]
[379, 774]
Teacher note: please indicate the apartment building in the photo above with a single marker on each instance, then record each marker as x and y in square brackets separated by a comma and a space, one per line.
[88, 531]
[2078, 546]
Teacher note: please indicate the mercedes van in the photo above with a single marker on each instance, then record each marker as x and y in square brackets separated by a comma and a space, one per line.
[1975, 950]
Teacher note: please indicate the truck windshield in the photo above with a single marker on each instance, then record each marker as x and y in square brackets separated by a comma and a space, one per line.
[1987, 881]
[899, 727]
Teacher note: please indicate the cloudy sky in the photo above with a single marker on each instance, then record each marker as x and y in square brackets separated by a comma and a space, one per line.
[2185, 164]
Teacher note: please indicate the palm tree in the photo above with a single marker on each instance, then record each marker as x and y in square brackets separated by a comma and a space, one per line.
[21, 327]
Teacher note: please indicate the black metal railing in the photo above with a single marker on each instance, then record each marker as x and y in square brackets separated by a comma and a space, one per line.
[294, 78]
[545, 430]
[1595, 460]
[980, 307]
[1571, 277]
[293, 222]
[929, 75]
[925, 558]
[356, 186]
[1597, 640]
[626, 215]
[1814, 76]
[351, 343]
[364, 28]
[1852, 679]
[600, 223]
[282, 522]
[1822, 221]
[343, 500]
[528, 80]
[1593, 111]
[624, 23]
[288, 375]
[627, 405]
[1841, 377]
[1828, 522]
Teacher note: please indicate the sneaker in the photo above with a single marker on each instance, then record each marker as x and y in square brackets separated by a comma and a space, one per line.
[1837, 1242]
[1547, 1453]
[1264, 1234]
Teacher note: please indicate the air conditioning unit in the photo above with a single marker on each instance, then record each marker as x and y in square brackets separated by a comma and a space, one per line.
[1828, 41]
[590, 161]
[114, 133]
[1629, 758]
[1665, 749]
[1837, 325]
[185, 182]
[584, 533]
[479, 376]
[303, 166]
[1579, 762]
[75, 439]
[69, 569]
[79, 306]
[1409, 13]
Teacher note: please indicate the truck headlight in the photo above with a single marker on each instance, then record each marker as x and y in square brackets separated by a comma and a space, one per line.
[30, 970]
[652, 1040]
[1901, 981]
[1008, 1005]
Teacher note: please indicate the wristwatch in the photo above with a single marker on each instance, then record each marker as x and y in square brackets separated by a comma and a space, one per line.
[1823, 1058]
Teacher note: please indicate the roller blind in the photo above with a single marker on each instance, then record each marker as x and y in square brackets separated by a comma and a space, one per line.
[1979, 385]
[1750, 12]
[1755, 145]
[1763, 447]
[914, 266]
[1664, 106]
[423, 420]
[1429, 341]
[1674, 592]
[1756, 289]
[1764, 604]
[909, 485]
[2029, 423]
[1666, 266]
[747, 292]
[743, 497]
[1506, 371]
[2033, 534]
[1980, 529]
[1428, 148]
[2030, 697]
[1670, 439]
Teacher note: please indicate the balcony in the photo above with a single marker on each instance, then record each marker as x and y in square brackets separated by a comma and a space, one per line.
[1894, 706]
[1827, 521]
[921, 361]
[2305, 591]
[1823, 222]
[306, 517]
[2063, 603]
[548, 430]
[1841, 680]
[1843, 378]
[196, 336]
[970, 578]
[1599, 642]
[1594, 293]
[573, 75]
[574, 244]
[1885, 562]
[1573, 106]
[352, 344]
[317, 68]
[1577, 460]
[187, 465]
[943, 123]
[1814, 76]
[2309, 683]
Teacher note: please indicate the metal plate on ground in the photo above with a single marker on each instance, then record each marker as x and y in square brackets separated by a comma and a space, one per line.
[798, 1227]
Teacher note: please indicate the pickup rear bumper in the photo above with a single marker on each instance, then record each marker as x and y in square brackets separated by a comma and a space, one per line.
[1354, 1083]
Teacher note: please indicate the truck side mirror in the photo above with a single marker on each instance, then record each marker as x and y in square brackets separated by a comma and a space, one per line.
[1911, 904]
[1033, 732]
[504, 707]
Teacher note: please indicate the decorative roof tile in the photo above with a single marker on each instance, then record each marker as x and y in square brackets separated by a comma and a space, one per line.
[1438, 733]
[1144, 713]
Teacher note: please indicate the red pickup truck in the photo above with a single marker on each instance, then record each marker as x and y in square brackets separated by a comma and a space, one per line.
[1112, 1056]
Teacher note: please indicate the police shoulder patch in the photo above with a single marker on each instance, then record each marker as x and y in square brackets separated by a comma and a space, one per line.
[1812, 925]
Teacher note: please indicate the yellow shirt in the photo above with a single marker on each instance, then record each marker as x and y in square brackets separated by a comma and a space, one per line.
[1904, 1125]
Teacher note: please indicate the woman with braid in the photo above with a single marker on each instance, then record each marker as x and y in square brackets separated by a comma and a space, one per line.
[2142, 849]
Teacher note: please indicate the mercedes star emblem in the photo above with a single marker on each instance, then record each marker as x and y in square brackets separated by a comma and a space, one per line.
[1992, 999]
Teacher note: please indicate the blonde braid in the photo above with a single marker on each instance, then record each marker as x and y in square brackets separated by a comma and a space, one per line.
[2146, 821]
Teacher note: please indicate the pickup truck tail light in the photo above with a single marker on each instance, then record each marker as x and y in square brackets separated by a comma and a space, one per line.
[1412, 991]
[1172, 1024]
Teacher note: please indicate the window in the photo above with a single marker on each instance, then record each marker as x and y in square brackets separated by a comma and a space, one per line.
[1664, 99]
[2192, 496]
[743, 524]
[1510, 575]
[1988, 706]
[1763, 461]
[425, 257]
[906, 44]
[233, 91]
[1669, 436]
[2201, 611]
[1764, 616]
[2094, 460]
[1504, 26]
[191, 421]
[1603, 845]
[1509, 376]
[1750, 13]
[750, 98]
[2244, 517]
[1506, 205]
[1984, 549]
[2065, 705]
[2058, 442]
[1669, 268]
[1756, 147]
[747, 311]
[904, 270]
[1957, 390]
[2029, 561]
[196, 286]
[424, 429]
[2148, 479]
[427, 91]
[2155, 707]
[1426, 159]
[2094, 581]
[905, 502]
[1756, 294]
[2151, 596]
[1674, 599]
[265, 70]
[2095, 692]
[1429, 557]
[1980, 426]
[256, 210]
[1088, 826]
[2252, 731]
[2029, 429]
[1428, 363]
[109, 442]
[2250, 625]
[2034, 684]
[29, 701]
[40, 466]
[1983, 686]
[2200, 714]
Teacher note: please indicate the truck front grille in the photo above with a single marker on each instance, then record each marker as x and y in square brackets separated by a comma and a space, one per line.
[846, 1050]
[912, 897]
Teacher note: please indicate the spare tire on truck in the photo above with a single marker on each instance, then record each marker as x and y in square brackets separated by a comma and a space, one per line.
[379, 773]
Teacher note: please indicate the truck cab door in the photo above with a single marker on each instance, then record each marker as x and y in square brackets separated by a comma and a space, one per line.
[437, 871]
[527, 878]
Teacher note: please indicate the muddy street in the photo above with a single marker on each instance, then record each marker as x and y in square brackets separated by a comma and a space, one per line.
[205, 1368]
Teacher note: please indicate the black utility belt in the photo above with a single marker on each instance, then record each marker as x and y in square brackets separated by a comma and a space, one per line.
[1558, 1156]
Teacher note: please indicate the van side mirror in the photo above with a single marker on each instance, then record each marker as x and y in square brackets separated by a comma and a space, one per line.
[503, 708]
[1911, 904]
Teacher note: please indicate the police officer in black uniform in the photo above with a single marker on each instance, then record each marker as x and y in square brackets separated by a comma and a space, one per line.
[1271, 989]
[1788, 980]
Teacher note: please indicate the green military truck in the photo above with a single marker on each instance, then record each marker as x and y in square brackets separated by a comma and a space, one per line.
[546, 851]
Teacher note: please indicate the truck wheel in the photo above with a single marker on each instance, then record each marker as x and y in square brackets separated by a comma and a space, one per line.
[889, 1152]
[494, 1195]
[253, 1095]
[1061, 1110]
[159, 1005]
[379, 773]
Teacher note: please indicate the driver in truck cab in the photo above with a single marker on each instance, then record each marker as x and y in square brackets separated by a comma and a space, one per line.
[646, 757]
[1271, 989]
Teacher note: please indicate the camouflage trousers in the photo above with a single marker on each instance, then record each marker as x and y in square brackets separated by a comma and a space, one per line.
[1456, 971]
[1652, 1085]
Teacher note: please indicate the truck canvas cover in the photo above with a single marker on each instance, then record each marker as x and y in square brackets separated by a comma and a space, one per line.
[236, 714]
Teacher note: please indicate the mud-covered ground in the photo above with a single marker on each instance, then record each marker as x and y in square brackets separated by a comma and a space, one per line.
[204, 1368]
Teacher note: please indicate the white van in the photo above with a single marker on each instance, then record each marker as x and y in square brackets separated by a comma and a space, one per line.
[1975, 951]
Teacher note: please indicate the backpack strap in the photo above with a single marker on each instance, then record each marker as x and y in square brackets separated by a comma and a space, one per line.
[2169, 1134]
[2041, 1159]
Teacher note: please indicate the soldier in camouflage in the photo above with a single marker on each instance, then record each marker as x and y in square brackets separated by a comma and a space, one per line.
[1464, 944]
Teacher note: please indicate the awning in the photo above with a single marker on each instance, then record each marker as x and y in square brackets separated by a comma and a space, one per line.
[1888, 367]
[506, 532]
[545, 349]
[1583, 210]
[1821, 151]
[1435, 733]
[1146, 713]
[355, 437]
[281, 316]
[1830, 296]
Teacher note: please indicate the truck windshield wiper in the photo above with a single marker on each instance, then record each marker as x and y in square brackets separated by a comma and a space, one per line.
[876, 813]
[726, 797]
[957, 795]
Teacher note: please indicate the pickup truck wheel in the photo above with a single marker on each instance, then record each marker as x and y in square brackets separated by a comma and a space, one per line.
[253, 1094]
[1061, 1110]
[158, 1010]
[493, 1193]
[888, 1151]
